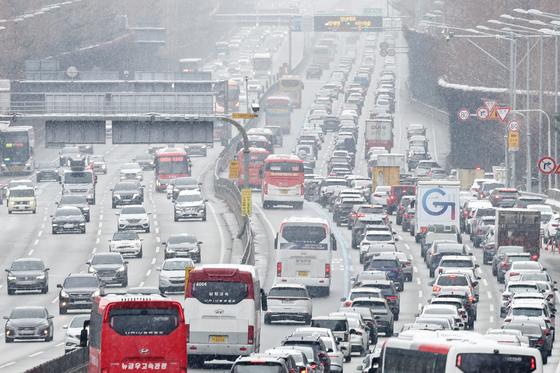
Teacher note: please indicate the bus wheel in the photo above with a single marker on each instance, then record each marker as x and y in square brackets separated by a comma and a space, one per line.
[196, 361]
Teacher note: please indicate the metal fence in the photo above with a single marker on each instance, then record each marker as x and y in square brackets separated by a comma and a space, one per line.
[73, 362]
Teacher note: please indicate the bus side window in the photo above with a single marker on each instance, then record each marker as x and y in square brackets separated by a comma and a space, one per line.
[333, 242]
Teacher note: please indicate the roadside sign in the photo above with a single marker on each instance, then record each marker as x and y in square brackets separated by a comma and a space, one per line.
[463, 114]
[513, 141]
[482, 113]
[490, 104]
[513, 125]
[547, 165]
[502, 112]
[391, 52]
[234, 169]
[246, 202]
[243, 115]
[383, 52]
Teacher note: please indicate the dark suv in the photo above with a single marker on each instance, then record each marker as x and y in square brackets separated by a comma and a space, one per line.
[110, 268]
[388, 262]
[342, 210]
[127, 193]
[76, 200]
[77, 292]
[28, 274]
[389, 292]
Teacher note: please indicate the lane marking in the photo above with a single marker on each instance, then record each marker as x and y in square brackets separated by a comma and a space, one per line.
[148, 273]
[36, 242]
[489, 295]
[491, 319]
[59, 344]
[418, 280]
[40, 234]
[157, 249]
[97, 240]
[420, 294]
[7, 364]
[415, 271]
[157, 230]
[36, 353]
[491, 307]
[158, 239]
[54, 300]
[30, 252]
[485, 282]
[141, 284]
[153, 261]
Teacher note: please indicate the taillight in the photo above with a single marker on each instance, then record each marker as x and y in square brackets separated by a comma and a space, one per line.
[540, 342]
[250, 334]
[436, 289]
[514, 274]
[265, 188]
[392, 298]
[188, 331]
[313, 365]
[534, 257]
[279, 269]
[533, 363]
[547, 332]
[406, 215]
[327, 270]
[472, 299]
[348, 303]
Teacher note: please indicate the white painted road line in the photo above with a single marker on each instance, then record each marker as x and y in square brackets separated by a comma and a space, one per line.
[153, 261]
[36, 353]
[54, 300]
[485, 282]
[420, 294]
[30, 252]
[7, 364]
[148, 273]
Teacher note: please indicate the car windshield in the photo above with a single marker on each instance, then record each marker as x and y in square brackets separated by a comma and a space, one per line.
[27, 265]
[379, 237]
[288, 292]
[78, 321]
[456, 263]
[181, 238]
[125, 235]
[513, 288]
[106, 259]
[81, 282]
[133, 210]
[452, 281]
[73, 200]
[68, 212]
[189, 197]
[175, 265]
[125, 186]
[22, 193]
[28, 313]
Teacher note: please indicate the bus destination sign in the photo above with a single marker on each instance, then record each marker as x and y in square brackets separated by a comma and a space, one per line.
[348, 23]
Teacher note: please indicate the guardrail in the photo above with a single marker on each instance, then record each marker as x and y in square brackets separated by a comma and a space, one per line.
[73, 362]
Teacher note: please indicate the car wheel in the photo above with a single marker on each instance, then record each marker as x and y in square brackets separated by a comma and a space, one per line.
[34, 211]
[53, 231]
[124, 283]
[83, 231]
[9, 211]
[11, 291]
[45, 290]
[204, 218]
[175, 218]
[9, 340]
[266, 319]
[62, 311]
[431, 273]
[389, 333]
[139, 255]
[147, 230]
[544, 358]
[49, 339]
[494, 271]
[348, 358]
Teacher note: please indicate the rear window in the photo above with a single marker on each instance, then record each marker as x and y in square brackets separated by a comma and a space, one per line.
[452, 281]
[383, 263]
[144, 321]
[496, 363]
[527, 311]
[456, 263]
[374, 306]
[304, 237]
[217, 292]
[334, 325]
[288, 292]
[258, 367]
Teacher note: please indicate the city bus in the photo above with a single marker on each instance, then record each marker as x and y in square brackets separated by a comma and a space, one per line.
[321, 56]
[256, 163]
[262, 65]
[429, 353]
[283, 181]
[137, 333]
[16, 149]
[291, 86]
[278, 110]
[304, 247]
[170, 163]
[223, 305]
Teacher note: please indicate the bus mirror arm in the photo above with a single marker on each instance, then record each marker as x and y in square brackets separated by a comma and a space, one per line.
[264, 301]
[276, 241]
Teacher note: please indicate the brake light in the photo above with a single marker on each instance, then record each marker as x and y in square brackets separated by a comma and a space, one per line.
[188, 332]
[514, 274]
[533, 364]
[327, 270]
[423, 229]
[534, 257]
[406, 215]
[459, 361]
[392, 298]
[540, 342]
[279, 269]
[348, 303]
[265, 188]
[250, 335]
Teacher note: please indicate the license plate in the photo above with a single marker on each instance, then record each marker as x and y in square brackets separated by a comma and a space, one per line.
[68, 226]
[287, 302]
[303, 274]
[217, 339]
[283, 191]
[27, 332]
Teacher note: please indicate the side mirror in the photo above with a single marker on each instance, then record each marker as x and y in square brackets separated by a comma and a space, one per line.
[164, 244]
[544, 269]
[158, 269]
[7, 270]
[50, 317]
[6, 318]
[64, 326]
[200, 242]
[59, 286]
[431, 283]
[88, 262]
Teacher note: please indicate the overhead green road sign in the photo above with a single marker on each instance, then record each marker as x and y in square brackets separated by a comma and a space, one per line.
[348, 23]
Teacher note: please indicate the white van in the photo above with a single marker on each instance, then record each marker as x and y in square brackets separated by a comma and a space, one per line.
[304, 247]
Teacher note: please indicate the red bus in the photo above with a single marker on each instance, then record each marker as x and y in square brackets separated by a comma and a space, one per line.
[283, 181]
[256, 162]
[137, 334]
[170, 163]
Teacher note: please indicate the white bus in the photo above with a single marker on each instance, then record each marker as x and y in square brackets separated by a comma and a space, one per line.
[429, 353]
[223, 312]
[304, 249]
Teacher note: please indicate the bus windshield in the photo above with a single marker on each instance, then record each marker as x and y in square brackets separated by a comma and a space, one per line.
[304, 237]
[144, 321]
[172, 165]
[284, 167]
[219, 292]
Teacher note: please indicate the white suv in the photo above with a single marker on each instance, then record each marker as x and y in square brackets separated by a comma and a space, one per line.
[287, 302]
[134, 218]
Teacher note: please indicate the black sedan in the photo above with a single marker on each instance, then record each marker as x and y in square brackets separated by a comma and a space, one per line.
[76, 200]
[29, 323]
[68, 219]
[28, 274]
[47, 171]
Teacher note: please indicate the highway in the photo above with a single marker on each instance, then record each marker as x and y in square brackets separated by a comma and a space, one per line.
[27, 235]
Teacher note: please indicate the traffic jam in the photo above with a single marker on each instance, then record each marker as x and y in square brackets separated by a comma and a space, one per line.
[371, 254]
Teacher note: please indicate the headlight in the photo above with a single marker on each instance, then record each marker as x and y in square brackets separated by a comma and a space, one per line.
[92, 270]
[64, 294]
[12, 278]
[82, 224]
[135, 195]
[95, 293]
[41, 277]
[194, 249]
[121, 269]
[86, 209]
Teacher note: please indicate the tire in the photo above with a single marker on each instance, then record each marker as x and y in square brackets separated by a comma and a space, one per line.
[361, 259]
[139, 255]
[175, 218]
[390, 333]
[348, 358]
[267, 319]
[49, 339]
[544, 359]
[432, 274]
[62, 311]
[9, 340]
[417, 239]
[35, 211]
[494, 271]
[114, 206]
[11, 291]
[53, 231]
[396, 316]
[45, 290]
[147, 230]
[9, 211]
[124, 283]
[307, 320]
[204, 218]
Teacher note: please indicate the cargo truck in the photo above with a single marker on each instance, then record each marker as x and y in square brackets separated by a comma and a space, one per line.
[386, 160]
[385, 175]
[437, 202]
[519, 227]
[378, 132]
[467, 176]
